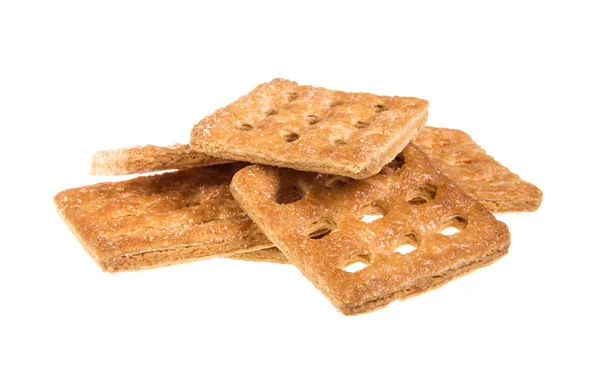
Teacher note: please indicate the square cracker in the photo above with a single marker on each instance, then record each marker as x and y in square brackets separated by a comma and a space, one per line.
[477, 173]
[149, 158]
[316, 223]
[284, 124]
[160, 220]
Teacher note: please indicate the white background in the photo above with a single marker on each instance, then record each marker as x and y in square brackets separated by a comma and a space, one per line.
[522, 79]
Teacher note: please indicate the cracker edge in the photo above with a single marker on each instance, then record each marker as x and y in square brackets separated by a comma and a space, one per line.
[141, 159]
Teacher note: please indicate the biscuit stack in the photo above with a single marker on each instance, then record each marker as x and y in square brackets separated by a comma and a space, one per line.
[352, 188]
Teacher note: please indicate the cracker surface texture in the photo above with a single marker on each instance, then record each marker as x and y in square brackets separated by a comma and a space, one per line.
[318, 222]
[284, 124]
[149, 158]
[477, 173]
[160, 220]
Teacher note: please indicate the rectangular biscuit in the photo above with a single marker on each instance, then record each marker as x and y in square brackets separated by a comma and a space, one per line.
[317, 222]
[149, 158]
[456, 154]
[284, 124]
[160, 220]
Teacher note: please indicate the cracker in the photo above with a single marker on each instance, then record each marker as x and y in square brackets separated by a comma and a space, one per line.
[160, 220]
[149, 158]
[477, 173]
[315, 220]
[284, 124]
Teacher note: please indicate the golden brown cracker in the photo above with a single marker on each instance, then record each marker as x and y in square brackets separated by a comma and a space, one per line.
[317, 225]
[477, 173]
[160, 220]
[307, 128]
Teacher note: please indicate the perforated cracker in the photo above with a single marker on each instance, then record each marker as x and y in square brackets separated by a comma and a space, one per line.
[149, 158]
[315, 220]
[160, 220]
[284, 124]
[477, 173]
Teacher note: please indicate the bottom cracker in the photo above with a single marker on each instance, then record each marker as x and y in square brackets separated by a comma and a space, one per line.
[160, 220]
[457, 155]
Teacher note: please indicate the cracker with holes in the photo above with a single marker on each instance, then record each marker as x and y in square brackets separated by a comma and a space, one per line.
[149, 158]
[284, 124]
[318, 226]
[160, 220]
[477, 173]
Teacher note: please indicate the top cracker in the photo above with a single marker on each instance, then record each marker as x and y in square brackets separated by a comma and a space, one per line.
[284, 124]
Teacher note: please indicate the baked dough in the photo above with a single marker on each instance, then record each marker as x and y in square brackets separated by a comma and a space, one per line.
[316, 222]
[160, 220]
[284, 124]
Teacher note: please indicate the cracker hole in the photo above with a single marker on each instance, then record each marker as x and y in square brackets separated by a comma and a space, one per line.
[291, 137]
[405, 249]
[453, 225]
[370, 218]
[380, 108]
[313, 119]
[355, 267]
[320, 233]
[336, 103]
[462, 161]
[356, 262]
[409, 244]
[393, 166]
[292, 96]
[421, 195]
[271, 112]
[289, 194]
[339, 142]
[371, 213]
[417, 201]
[245, 126]
[320, 228]
[361, 125]
[449, 231]
[336, 182]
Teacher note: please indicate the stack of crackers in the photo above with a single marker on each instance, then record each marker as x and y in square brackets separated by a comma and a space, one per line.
[351, 188]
